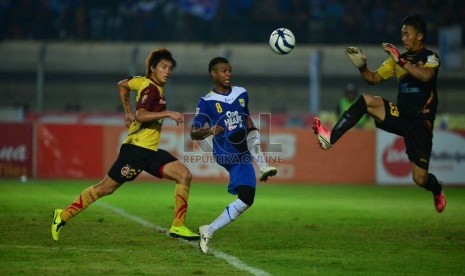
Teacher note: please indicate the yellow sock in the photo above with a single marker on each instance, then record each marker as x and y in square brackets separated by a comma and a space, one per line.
[87, 197]
[180, 204]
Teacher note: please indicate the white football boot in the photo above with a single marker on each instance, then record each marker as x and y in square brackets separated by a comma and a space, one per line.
[204, 238]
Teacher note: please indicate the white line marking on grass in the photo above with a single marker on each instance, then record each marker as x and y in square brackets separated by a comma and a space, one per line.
[232, 260]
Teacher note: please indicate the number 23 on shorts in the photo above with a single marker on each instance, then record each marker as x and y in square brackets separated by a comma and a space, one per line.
[393, 109]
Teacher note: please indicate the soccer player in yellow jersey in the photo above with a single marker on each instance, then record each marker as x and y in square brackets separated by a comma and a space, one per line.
[139, 151]
[412, 117]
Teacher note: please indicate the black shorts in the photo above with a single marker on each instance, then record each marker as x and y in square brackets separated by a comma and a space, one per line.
[417, 133]
[132, 160]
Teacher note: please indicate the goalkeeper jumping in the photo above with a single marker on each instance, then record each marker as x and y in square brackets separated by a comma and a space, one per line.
[413, 116]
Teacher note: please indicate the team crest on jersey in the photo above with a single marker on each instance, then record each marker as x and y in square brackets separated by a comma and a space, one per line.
[242, 102]
[162, 101]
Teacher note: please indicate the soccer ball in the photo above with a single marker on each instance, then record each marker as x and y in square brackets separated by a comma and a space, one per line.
[282, 41]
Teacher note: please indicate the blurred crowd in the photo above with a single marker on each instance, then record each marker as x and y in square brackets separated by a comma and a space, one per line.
[212, 21]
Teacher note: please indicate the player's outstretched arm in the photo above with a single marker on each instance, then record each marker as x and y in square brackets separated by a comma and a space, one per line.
[356, 56]
[143, 116]
[359, 60]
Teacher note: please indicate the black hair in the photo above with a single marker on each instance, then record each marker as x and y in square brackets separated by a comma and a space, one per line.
[155, 57]
[216, 61]
[416, 20]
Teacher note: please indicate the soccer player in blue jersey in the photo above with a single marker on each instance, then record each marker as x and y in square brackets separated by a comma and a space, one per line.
[413, 116]
[224, 113]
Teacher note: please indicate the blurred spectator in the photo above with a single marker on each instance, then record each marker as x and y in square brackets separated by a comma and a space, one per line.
[44, 24]
[317, 19]
[354, 21]
[125, 18]
[334, 11]
[312, 21]
[300, 15]
[379, 15]
[5, 8]
[22, 19]
[147, 19]
[237, 20]
[197, 17]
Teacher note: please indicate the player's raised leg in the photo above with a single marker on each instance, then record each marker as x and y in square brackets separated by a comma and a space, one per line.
[253, 145]
[348, 120]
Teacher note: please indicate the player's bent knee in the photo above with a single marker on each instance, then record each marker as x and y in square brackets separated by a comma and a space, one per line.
[246, 194]
[185, 177]
[373, 101]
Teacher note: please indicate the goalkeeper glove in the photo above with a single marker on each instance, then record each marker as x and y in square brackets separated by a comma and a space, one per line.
[356, 56]
[392, 51]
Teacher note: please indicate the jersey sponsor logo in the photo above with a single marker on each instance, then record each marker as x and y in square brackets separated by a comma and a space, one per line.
[233, 120]
[404, 88]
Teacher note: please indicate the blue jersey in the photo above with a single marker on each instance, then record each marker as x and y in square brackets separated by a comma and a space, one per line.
[229, 111]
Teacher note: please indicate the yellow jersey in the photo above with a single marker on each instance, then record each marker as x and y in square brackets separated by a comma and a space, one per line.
[149, 96]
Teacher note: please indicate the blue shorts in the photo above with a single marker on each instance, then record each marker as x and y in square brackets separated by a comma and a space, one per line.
[240, 169]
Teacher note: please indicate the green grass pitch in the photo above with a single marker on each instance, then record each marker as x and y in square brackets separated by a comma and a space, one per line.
[290, 230]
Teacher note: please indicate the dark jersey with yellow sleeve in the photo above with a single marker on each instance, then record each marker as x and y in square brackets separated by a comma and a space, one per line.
[415, 98]
[149, 96]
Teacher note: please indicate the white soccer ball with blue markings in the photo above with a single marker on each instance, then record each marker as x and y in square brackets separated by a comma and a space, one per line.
[282, 41]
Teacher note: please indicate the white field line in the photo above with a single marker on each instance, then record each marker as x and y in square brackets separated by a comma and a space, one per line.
[232, 260]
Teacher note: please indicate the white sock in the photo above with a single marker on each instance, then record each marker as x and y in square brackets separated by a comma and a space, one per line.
[253, 145]
[230, 213]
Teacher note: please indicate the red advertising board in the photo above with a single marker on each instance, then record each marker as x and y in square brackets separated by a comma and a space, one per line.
[80, 151]
[69, 151]
[16, 150]
[295, 152]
